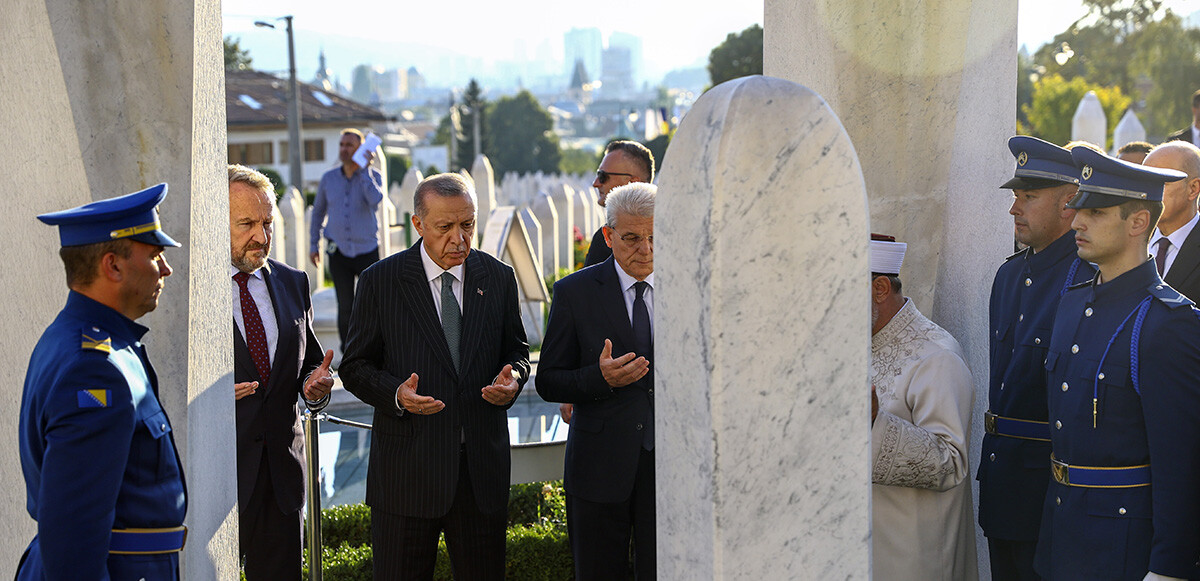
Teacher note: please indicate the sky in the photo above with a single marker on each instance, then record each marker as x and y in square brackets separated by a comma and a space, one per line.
[675, 33]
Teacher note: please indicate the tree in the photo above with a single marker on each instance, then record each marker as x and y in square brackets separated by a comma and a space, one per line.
[740, 55]
[276, 181]
[1055, 100]
[1136, 46]
[236, 57]
[472, 104]
[578, 162]
[522, 137]
[397, 166]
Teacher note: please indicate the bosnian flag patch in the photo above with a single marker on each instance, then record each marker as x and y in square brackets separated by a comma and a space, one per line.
[93, 398]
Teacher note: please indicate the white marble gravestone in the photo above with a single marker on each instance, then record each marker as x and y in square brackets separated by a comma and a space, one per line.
[1089, 123]
[485, 188]
[544, 209]
[107, 98]
[316, 273]
[294, 228]
[564, 202]
[762, 341]
[279, 236]
[924, 90]
[1128, 129]
[396, 195]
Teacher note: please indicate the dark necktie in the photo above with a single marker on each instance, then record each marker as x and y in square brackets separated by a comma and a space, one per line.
[256, 335]
[451, 317]
[643, 343]
[644, 346]
[1160, 257]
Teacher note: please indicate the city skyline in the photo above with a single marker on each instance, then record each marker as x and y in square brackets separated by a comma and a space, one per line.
[498, 42]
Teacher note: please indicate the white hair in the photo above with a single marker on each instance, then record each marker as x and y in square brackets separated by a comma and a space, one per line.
[635, 199]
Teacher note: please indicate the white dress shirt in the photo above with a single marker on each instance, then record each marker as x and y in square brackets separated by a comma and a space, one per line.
[1177, 239]
[630, 293]
[433, 273]
[257, 285]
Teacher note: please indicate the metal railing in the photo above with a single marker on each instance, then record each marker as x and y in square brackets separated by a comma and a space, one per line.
[312, 433]
[542, 460]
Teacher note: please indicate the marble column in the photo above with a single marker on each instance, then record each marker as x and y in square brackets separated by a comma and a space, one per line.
[294, 228]
[926, 94]
[1089, 122]
[762, 341]
[101, 99]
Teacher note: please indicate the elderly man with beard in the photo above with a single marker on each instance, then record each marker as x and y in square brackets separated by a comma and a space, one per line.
[274, 349]
[921, 397]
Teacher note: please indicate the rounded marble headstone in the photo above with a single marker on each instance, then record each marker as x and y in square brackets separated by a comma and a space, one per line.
[762, 341]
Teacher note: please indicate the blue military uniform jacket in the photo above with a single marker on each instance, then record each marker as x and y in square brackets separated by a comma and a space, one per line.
[1100, 417]
[1012, 471]
[96, 449]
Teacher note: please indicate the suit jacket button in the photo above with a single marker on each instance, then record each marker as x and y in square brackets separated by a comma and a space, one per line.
[639, 426]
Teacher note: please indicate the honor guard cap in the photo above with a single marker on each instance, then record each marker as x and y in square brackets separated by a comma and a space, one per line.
[1040, 164]
[886, 255]
[133, 216]
[1105, 181]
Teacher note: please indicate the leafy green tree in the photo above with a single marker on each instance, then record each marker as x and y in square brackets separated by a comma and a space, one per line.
[522, 137]
[472, 104]
[578, 161]
[1167, 55]
[658, 147]
[397, 166]
[1055, 100]
[276, 181]
[236, 57]
[740, 55]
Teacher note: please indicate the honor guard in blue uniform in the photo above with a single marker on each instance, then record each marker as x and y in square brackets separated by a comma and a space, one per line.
[1012, 470]
[102, 476]
[1124, 400]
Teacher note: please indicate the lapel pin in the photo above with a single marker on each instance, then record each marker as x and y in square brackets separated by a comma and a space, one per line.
[480, 291]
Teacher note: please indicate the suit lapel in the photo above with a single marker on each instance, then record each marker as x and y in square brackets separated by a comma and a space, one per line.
[612, 301]
[416, 291]
[280, 303]
[1186, 261]
[241, 353]
[475, 287]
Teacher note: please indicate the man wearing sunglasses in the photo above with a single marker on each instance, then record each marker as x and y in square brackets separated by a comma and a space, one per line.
[624, 162]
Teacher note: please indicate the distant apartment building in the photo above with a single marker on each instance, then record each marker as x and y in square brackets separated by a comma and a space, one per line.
[584, 45]
[256, 118]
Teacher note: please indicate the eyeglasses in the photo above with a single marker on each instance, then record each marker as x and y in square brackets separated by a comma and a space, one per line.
[602, 176]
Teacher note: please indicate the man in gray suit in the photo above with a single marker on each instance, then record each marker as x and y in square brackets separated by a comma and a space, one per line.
[437, 347]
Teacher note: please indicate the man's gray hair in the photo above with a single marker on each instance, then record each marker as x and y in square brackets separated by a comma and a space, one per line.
[252, 178]
[446, 185]
[635, 199]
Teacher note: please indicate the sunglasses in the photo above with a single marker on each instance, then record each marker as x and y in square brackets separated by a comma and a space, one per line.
[602, 176]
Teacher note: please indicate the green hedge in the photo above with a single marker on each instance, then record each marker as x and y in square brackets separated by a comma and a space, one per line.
[537, 547]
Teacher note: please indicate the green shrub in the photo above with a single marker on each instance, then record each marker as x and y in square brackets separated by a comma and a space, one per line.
[537, 503]
[346, 524]
[344, 563]
[538, 553]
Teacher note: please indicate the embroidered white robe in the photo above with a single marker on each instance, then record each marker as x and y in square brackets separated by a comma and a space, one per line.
[922, 525]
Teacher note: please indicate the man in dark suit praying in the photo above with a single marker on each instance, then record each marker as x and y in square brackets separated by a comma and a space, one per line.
[598, 354]
[277, 359]
[437, 347]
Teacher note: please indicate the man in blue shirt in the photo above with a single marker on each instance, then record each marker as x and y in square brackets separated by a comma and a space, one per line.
[102, 475]
[1012, 471]
[348, 196]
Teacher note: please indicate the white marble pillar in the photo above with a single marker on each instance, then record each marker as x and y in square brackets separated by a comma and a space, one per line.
[279, 236]
[762, 341]
[583, 212]
[1128, 129]
[546, 212]
[485, 188]
[109, 98]
[316, 273]
[925, 93]
[386, 217]
[395, 194]
[534, 228]
[564, 202]
[1089, 123]
[294, 227]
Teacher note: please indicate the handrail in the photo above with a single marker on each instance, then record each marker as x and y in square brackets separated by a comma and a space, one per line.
[312, 431]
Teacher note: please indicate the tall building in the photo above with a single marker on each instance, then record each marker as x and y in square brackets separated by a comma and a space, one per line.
[584, 45]
[617, 77]
[634, 45]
